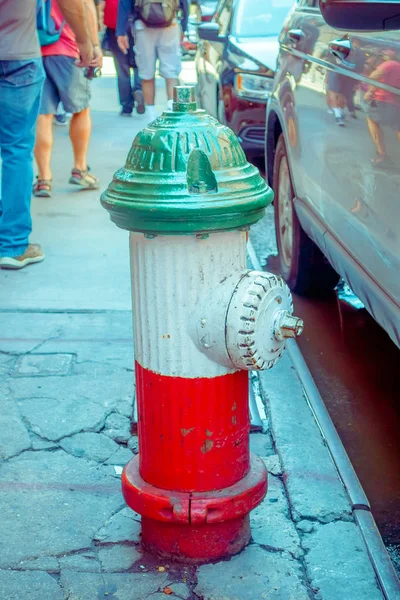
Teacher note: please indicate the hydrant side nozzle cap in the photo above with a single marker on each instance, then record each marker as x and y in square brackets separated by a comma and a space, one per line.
[184, 98]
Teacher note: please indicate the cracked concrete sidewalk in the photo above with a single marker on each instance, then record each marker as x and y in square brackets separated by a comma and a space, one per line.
[67, 389]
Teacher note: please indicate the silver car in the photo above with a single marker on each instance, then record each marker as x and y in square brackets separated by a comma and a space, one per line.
[333, 152]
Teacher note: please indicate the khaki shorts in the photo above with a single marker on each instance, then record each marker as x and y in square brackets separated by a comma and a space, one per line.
[162, 43]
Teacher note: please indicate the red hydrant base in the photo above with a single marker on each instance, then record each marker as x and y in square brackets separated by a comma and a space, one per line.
[195, 526]
[196, 543]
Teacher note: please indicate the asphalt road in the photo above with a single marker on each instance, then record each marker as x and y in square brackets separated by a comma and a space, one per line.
[353, 362]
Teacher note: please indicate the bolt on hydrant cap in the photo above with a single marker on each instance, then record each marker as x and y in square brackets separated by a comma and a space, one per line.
[186, 174]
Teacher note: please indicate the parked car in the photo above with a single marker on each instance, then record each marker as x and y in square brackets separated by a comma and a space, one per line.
[333, 153]
[235, 63]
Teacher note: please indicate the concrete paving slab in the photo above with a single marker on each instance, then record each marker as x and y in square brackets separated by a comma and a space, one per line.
[53, 420]
[121, 586]
[313, 485]
[124, 526]
[90, 445]
[85, 562]
[255, 573]
[43, 365]
[15, 585]
[271, 523]
[117, 558]
[14, 436]
[336, 560]
[52, 504]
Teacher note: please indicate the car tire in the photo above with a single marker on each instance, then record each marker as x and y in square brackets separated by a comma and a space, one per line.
[302, 264]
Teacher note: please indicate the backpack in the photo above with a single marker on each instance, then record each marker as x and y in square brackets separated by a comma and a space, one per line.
[156, 13]
[45, 24]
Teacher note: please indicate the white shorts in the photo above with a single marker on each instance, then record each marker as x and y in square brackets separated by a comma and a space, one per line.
[162, 43]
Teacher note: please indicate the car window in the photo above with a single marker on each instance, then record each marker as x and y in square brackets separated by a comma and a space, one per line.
[223, 16]
[260, 18]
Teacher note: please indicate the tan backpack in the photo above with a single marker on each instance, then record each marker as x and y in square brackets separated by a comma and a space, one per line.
[157, 13]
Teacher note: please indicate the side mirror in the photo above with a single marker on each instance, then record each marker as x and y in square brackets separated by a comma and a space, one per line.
[210, 32]
[361, 15]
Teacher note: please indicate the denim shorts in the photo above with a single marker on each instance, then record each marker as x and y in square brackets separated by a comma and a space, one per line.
[64, 82]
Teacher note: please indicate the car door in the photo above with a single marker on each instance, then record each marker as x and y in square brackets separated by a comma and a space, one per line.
[364, 156]
[211, 59]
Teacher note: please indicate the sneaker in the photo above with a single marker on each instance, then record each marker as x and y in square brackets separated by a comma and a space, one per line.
[125, 113]
[353, 114]
[33, 254]
[340, 121]
[139, 102]
[60, 119]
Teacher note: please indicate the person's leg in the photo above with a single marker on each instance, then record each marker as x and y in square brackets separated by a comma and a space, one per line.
[149, 91]
[121, 62]
[44, 134]
[44, 145]
[170, 83]
[79, 133]
[138, 95]
[20, 89]
[169, 55]
[376, 134]
[74, 91]
[145, 55]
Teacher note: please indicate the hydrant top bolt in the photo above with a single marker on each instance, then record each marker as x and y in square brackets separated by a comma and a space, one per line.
[288, 326]
[184, 98]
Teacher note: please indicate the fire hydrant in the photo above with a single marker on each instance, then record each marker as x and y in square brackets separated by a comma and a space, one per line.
[201, 320]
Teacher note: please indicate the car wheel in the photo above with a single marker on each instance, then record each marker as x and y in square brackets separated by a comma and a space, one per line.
[302, 264]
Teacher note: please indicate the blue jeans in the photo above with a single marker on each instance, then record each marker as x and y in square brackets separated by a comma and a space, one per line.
[123, 65]
[20, 88]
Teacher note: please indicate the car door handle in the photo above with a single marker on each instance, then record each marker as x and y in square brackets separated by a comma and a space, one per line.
[340, 48]
[295, 36]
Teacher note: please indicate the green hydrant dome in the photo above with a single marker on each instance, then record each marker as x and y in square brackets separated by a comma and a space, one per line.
[186, 174]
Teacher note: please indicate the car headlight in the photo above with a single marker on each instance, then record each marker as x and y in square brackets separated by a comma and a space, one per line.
[255, 87]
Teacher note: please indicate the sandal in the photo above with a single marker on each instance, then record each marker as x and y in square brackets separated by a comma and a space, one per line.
[42, 188]
[381, 159]
[84, 179]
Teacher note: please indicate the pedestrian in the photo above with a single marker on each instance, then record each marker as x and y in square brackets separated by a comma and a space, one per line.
[66, 83]
[383, 106]
[130, 93]
[21, 80]
[157, 34]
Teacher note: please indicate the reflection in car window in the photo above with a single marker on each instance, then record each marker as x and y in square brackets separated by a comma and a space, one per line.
[224, 17]
[260, 18]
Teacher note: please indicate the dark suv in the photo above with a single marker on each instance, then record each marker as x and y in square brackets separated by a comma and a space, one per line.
[333, 152]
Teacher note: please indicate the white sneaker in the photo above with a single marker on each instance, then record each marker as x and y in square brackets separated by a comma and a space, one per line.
[170, 104]
[151, 113]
